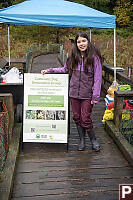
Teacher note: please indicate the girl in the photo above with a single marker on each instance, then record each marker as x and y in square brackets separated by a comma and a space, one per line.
[85, 69]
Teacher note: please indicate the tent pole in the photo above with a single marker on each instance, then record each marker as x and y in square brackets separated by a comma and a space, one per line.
[90, 34]
[114, 56]
[9, 46]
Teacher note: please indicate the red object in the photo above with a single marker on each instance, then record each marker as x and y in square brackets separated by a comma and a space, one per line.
[110, 105]
[129, 106]
[126, 106]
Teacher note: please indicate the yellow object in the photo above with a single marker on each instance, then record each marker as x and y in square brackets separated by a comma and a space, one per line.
[125, 115]
[111, 91]
[109, 114]
[113, 87]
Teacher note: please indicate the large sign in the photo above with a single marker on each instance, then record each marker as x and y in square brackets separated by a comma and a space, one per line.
[45, 114]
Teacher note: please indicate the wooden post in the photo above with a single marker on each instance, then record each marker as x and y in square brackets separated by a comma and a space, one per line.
[118, 105]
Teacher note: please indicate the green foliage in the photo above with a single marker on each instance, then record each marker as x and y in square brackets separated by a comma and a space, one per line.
[23, 37]
[17, 1]
[7, 3]
[40, 34]
[101, 5]
[124, 12]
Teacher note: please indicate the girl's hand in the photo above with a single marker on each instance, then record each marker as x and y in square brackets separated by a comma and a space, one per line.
[92, 103]
[44, 71]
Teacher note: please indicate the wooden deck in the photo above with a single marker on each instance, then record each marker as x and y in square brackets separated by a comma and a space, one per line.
[51, 172]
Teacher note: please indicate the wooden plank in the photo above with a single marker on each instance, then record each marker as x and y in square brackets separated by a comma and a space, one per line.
[16, 60]
[126, 94]
[70, 186]
[60, 175]
[79, 157]
[43, 62]
[90, 160]
[80, 196]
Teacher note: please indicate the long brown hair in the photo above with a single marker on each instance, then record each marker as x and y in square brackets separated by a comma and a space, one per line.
[75, 57]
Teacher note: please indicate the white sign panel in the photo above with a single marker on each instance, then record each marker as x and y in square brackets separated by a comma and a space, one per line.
[45, 114]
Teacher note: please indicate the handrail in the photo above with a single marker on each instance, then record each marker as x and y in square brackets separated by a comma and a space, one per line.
[119, 96]
[108, 74]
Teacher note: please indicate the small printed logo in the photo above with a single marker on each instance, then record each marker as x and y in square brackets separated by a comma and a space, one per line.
[37, 136]
[126, 192]
[50, 137]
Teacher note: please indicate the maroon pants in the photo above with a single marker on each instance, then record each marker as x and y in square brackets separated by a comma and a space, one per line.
[82, 109]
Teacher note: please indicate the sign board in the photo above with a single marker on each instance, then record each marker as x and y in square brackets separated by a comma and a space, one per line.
[45, 113]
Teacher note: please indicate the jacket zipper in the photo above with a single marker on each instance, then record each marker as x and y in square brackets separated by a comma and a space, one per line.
[79, 79]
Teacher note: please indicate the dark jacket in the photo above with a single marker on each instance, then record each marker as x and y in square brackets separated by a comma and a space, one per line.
[82, 85]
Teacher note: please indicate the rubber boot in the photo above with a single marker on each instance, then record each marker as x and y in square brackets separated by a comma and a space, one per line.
[94, 142]
[81, 133]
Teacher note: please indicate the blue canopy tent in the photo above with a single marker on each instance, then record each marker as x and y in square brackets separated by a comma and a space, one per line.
[58, 13]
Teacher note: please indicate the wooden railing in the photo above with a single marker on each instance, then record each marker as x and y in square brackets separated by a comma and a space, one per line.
[108, 77]
[122, 78]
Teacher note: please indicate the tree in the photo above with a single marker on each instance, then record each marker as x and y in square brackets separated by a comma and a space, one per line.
[101, 5]
[7, 3]
[123, 12]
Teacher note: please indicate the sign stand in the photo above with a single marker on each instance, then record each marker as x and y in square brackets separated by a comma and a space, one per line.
[46, 108]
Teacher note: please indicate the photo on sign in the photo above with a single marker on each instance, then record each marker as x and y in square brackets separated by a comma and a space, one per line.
[50, 115]
[45, 115]
[40, 114]
[60, 115]
[30, 114]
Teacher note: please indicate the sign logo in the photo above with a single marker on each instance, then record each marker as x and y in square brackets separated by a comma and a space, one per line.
[37, 136]
[126, 192]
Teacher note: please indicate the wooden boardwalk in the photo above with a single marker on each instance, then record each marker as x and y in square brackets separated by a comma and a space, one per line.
[50, 172]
